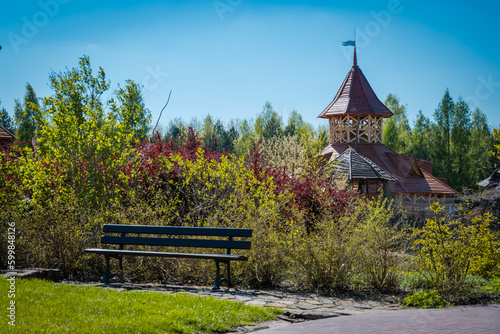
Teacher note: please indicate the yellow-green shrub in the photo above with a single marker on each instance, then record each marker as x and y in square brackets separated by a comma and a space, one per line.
[448, 251]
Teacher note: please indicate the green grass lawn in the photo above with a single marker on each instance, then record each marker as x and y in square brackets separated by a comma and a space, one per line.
[44, 307]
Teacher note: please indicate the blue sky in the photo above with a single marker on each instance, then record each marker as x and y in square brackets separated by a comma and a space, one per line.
[227, 58]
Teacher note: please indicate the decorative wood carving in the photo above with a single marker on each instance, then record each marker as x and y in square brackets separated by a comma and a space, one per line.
[343, 129]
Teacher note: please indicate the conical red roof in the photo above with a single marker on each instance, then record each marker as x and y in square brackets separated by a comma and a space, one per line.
[355, 97]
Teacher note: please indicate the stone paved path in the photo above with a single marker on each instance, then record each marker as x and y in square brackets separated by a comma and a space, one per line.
[453, 320]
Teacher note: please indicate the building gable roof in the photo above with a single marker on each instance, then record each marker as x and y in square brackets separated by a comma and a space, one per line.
[399, 166]
[355, 166]
[5, 134]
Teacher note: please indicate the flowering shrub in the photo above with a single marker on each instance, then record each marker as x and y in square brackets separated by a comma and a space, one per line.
[449, 251]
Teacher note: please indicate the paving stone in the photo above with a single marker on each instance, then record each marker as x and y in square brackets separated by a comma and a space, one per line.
[347, 312]
[317, 315]
[365, 307]
[287, 302]
[326, 310]
[243, 298]
[267, 297]
[256, 302]
[305, 306]
[314, 302]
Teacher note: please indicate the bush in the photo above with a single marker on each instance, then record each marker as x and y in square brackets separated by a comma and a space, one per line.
[358, 249]
[413, 281]
[382, 243]
[322, 259]
[426, 299]
[447, 252]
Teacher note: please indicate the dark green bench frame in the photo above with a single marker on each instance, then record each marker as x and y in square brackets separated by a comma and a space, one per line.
[177, 237]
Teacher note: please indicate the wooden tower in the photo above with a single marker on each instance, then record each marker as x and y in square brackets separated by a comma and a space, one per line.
[356, 117]
[356, 114]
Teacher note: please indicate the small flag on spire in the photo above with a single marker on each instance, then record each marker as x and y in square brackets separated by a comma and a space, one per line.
[349, 43]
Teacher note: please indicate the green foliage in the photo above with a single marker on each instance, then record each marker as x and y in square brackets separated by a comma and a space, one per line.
[426, 299]
[26, 115]
[414, 280]
[79, 138]
[323, 259]
[456, 141]
[495, 152]
[360, 247]
[396, 132]
[131, 110]
[442, 136]
[77, 309]
[176, 131]
[217, 138]
[295, 124]
[447, 252]
[421, 143]
[285, 151]
[492, 285]
[383, 242]
[5, 120]
[460, 137]
[268, 123]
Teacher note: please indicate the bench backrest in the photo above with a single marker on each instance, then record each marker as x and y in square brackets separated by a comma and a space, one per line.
[182, 236]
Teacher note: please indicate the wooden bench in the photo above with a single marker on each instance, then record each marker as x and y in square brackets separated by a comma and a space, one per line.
[195, 237]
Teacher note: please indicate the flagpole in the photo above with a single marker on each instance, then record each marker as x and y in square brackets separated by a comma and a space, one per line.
[355, 59]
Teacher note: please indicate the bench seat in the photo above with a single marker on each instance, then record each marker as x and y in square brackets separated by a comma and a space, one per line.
[174, 236]
[221, 257]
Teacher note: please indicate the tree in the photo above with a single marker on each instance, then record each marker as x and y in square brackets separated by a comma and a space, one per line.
[216, 137]
[92, 144]
[295, 124]
[495, 152]
[25, 115]
[460, 144]
[176, 130]
[5, 120]
[268, 124]
[481, 144]
[243, 143]
[441, 149]
[396, 133]
[75, 114]
[131, 110]
[420, 141]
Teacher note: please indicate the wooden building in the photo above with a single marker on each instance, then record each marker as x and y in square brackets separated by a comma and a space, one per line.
[6, 139]
[356, 118]
[362, 173]
[491, 181]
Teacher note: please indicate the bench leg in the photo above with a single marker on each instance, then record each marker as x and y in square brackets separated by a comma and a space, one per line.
[105, 279]
[218, 280]
[217, 277]
[229, 285]
[122, 279]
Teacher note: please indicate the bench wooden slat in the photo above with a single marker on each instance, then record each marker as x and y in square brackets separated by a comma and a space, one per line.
[176, 242]
[162, 236]
[179, 230]
[221, 257]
